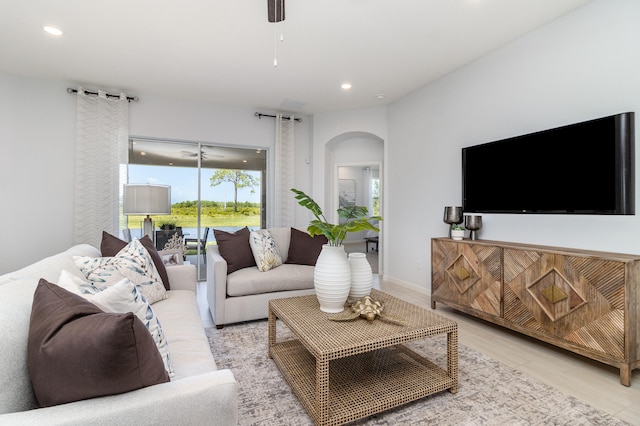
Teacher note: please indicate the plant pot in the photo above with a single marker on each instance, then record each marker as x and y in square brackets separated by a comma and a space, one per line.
[361, 276]
[457, 234]
[332, 279]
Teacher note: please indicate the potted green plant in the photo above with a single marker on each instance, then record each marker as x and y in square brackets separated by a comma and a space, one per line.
[332, 273]
[457, 231]
[355, 220]
[168, 226]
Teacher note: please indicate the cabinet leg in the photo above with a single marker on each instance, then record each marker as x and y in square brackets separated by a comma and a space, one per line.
[433, 304]
[625, 374]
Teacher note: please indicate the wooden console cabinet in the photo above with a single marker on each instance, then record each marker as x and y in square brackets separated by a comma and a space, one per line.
[586, 302]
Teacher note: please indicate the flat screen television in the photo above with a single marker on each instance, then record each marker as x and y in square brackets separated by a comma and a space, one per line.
[583, 168]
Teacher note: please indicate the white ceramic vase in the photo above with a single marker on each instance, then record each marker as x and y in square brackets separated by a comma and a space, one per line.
[361, 276]
[332, 279]
[457, 234]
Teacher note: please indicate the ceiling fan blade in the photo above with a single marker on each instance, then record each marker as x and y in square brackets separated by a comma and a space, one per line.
[203, 154]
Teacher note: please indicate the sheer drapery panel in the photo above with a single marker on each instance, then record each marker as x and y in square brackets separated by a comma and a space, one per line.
[284, 171]
[102, 131]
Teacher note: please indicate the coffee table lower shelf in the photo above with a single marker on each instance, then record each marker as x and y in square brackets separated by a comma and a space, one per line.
[361, 385]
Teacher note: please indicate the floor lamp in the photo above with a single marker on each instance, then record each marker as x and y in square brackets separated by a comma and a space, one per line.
[145, 199]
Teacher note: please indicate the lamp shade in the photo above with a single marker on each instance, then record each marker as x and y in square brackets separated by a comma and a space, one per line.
[144, 199]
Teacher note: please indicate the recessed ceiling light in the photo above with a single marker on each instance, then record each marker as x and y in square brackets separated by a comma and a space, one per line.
[380, 96]
[52, 30]
[346, 86]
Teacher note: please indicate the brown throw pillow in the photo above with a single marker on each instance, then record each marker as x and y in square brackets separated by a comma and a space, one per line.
[235, 249]
[110, 246]
[75, 351]
[305, 249]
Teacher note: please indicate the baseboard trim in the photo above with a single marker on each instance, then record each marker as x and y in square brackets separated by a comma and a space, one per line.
[406, 284]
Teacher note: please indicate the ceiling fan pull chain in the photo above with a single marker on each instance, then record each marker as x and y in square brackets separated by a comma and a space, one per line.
[275, 46]
[275, 9]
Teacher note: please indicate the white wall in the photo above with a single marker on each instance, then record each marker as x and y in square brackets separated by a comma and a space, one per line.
[582, 66]
[37, 138]
[366, 128]
[329, 125]
[37, 161]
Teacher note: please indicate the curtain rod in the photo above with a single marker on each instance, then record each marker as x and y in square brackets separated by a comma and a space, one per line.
[108, 95]
[257, 114]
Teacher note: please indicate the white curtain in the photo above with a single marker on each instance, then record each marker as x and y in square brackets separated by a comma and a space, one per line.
[368, 186]
[284, 171]
[102, 131]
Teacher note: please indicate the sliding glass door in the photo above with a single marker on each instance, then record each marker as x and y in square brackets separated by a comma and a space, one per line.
[211, 187]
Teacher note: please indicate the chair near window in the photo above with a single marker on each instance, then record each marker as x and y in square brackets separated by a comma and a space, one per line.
[193, 244]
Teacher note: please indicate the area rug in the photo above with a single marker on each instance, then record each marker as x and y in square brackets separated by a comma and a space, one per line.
[490, 393]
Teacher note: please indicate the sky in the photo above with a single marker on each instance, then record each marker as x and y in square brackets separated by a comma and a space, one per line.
[184, 183]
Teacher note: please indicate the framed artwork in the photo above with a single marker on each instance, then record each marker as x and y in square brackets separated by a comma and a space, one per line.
[347, 192]
[171, 257]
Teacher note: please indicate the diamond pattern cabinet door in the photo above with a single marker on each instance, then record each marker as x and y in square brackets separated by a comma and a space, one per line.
[467, 275]
[577, 299]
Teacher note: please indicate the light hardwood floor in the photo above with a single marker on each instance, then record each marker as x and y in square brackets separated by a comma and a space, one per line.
[589, 381]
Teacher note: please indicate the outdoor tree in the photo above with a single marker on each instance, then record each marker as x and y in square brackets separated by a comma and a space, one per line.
[239, 178]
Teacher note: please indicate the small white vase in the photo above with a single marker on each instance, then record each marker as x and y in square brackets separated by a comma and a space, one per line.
[457, 234]
[361, 276]
[332, 279]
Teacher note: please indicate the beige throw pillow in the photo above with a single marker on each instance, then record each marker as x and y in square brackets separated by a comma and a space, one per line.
[132, 262]
[265, 250]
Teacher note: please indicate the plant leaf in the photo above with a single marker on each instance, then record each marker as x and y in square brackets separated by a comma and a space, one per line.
[355, 220]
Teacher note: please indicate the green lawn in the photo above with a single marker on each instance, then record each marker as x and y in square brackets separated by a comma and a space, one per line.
[222, 220]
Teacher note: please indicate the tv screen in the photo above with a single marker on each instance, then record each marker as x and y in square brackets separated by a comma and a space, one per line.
[583, 168]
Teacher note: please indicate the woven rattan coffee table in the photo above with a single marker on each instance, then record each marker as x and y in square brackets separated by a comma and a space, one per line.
[343, 371]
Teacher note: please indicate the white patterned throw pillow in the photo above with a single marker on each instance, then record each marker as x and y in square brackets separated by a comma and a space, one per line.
[265, 250]
[121, 297]
[132, 262]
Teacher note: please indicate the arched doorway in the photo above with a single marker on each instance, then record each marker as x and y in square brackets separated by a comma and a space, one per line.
[354, 173]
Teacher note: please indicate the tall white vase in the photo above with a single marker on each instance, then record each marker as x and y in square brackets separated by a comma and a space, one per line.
[361, 276]
[332, 279]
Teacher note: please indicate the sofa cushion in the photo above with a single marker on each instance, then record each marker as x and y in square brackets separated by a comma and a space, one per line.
[15, 311]
[16, 296]
[110, 246]
[286, 277]
[235, 249]
[76, 351]
[282, 235]
[304, 249]
[265, 250]
[133, 262]
[49, 267]
[182, 325]
[120, 298]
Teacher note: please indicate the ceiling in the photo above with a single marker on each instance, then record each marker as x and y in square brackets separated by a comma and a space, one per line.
[185, 154]
[222, 51]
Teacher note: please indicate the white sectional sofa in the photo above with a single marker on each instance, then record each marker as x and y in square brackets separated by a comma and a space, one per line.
[244, 294]
[197, 394]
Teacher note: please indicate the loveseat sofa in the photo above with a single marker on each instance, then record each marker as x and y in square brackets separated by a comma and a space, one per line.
[237, 290]
[198, 393]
